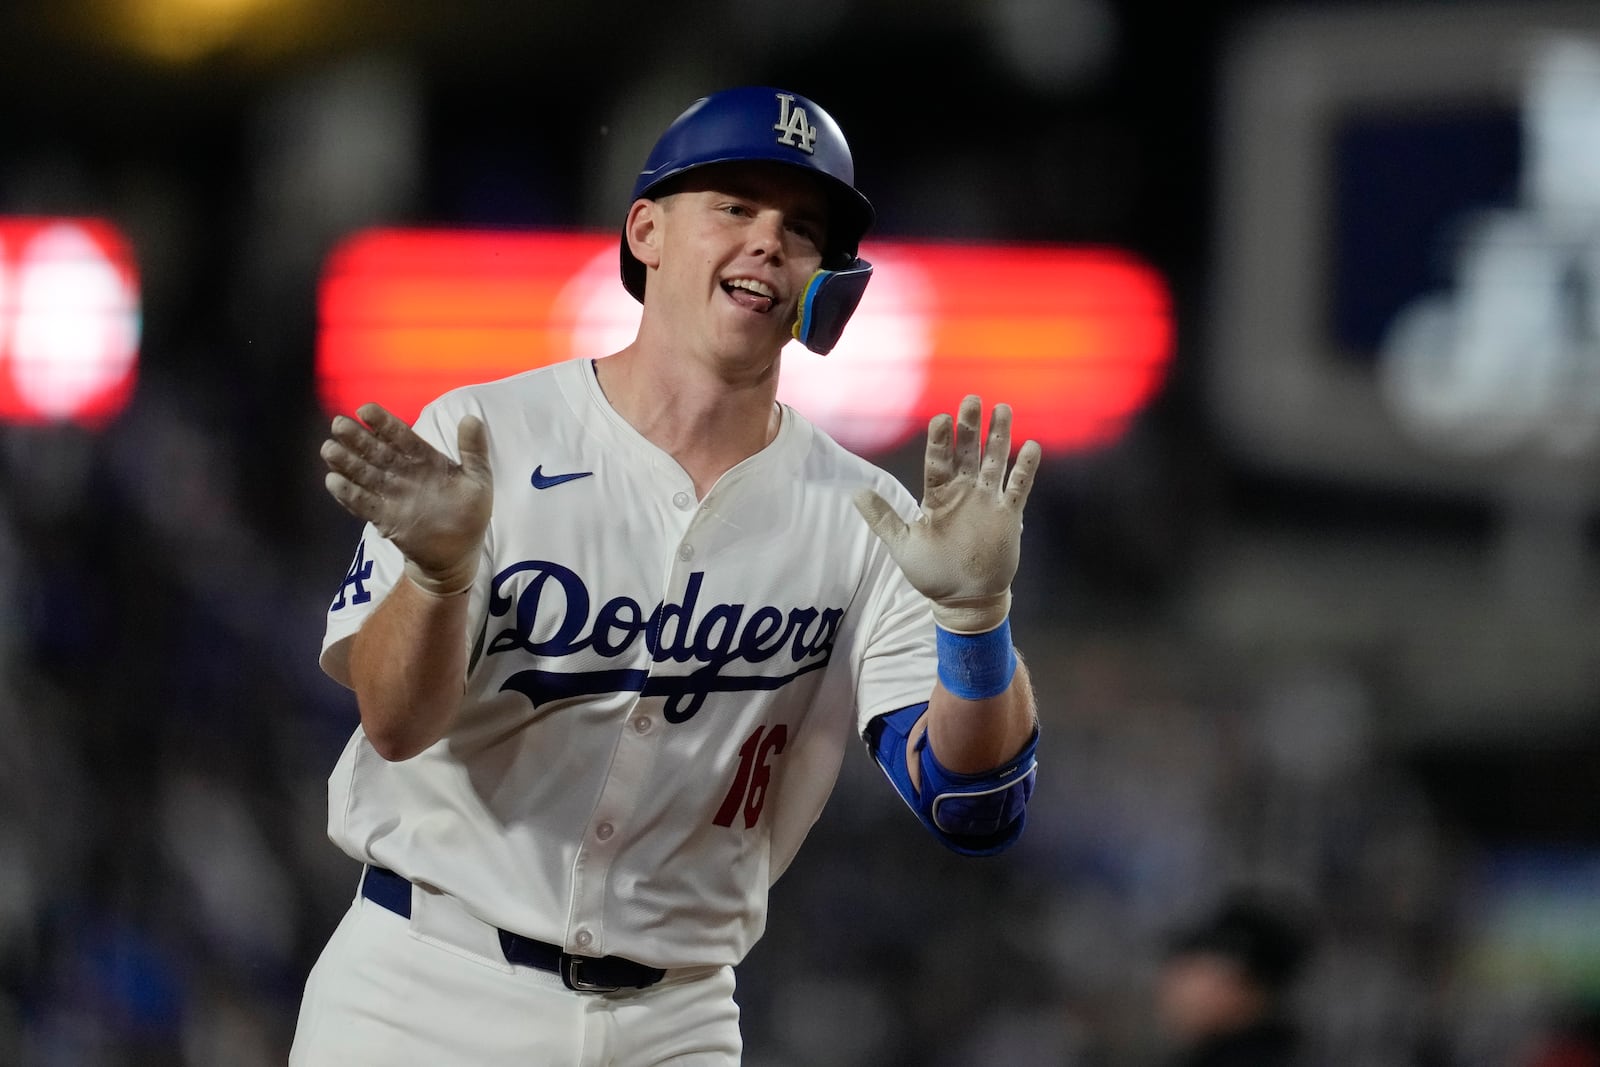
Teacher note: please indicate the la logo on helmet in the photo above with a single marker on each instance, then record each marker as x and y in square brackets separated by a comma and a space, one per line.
[793, 123]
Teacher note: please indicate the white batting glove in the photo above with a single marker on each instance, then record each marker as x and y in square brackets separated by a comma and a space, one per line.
[434, 510]
[962, 550]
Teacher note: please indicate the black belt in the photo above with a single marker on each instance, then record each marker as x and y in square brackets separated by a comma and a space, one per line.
[586, 974]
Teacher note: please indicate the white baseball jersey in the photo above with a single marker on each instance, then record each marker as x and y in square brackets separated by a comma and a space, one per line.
[660, 689]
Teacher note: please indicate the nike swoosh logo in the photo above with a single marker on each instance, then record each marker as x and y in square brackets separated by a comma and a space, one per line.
[541, 480]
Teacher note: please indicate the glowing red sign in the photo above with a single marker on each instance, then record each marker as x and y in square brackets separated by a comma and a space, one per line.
[69, 320]
[1076, 340]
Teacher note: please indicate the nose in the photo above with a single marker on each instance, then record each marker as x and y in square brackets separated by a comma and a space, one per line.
[766, 235]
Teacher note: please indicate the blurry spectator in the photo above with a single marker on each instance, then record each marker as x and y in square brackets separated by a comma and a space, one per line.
[1222, 992]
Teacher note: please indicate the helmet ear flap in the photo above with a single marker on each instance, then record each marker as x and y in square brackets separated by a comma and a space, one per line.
[829, 299]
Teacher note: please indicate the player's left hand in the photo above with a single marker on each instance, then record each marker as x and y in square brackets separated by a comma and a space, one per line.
[962, 551]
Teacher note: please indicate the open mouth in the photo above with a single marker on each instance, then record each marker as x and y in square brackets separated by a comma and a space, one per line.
[752, 294]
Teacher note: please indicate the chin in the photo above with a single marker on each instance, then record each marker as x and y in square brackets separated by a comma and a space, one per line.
[747, 337]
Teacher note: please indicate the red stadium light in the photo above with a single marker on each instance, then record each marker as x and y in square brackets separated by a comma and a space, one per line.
[69, 321]
[1076, 340]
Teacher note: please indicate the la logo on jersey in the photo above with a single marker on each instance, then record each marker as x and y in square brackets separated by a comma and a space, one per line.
[355, 580]
[714, 636]
[794, 125]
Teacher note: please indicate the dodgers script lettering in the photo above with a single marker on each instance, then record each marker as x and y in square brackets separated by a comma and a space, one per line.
[549, 610]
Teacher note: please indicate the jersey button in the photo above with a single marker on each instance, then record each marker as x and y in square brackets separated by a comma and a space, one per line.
[583, 939]
[641, 725]
[686, 552]
[681, 500]
[604, 831]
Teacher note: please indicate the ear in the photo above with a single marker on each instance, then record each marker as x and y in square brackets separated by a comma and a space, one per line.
[643, 231]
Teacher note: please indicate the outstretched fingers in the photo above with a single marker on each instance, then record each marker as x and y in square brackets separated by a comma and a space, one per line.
[363, 455]
[969, 433]
[357, 439]
[359, 501]
[997, 450]
[953, 450]
[392, 431]
[354, 455]
[382, 422]
[1020, 484]
[939, 462]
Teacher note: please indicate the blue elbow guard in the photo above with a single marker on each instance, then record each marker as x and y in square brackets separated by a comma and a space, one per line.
[973, 814]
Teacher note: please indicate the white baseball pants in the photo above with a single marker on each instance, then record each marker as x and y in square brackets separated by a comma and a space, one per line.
[435, 991]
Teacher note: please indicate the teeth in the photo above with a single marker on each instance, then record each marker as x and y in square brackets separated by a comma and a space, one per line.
[751, 285]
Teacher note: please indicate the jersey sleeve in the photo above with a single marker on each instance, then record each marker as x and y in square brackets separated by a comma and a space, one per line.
[898, 663]
[378, 564]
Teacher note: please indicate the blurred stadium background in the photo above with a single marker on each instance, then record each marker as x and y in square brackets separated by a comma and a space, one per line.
[1322, 614]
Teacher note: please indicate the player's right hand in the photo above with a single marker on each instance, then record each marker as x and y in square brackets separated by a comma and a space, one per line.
[434, 509]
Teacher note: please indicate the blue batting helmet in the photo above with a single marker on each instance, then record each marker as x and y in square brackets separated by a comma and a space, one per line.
[756, 123]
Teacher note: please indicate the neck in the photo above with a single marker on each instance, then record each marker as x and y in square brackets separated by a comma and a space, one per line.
[704, 421]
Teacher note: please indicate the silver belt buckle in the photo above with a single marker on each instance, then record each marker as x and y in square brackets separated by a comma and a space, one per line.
[572, 976]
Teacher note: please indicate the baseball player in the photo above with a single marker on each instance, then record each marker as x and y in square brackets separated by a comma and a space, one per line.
[612, 624]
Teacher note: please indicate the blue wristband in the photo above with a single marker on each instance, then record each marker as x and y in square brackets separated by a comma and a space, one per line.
[976, 666]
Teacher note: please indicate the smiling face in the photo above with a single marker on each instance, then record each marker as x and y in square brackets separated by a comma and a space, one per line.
[728, 253]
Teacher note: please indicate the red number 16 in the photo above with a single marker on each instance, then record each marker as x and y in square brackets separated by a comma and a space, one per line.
[750, 783]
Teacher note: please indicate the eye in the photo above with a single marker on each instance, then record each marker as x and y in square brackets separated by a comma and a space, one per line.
[806, 230]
